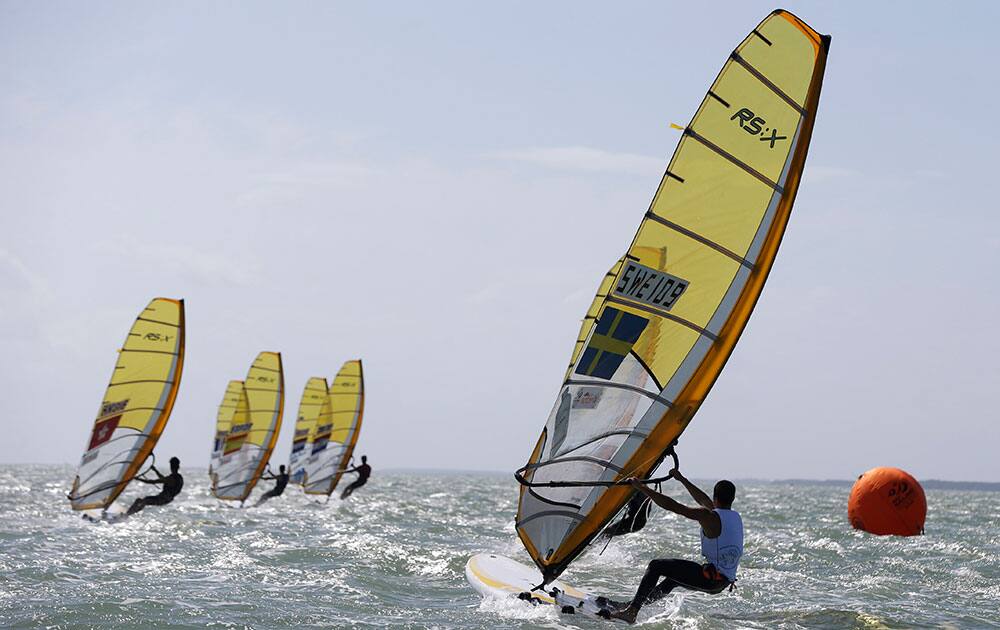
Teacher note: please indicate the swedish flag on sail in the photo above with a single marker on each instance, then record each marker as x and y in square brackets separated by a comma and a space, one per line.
[615, 334]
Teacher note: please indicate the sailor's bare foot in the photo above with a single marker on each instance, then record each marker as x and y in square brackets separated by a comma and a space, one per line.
[625, 614]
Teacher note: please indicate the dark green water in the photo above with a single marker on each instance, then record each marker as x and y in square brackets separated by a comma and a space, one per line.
[394, 556]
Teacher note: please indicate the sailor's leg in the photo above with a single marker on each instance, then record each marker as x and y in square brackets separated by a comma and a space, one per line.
[136, 506]
[349, 490]
[686, 574]
[648, 586]
[676, 573]
[264, 497]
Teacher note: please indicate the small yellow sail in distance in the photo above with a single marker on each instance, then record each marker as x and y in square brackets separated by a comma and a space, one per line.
[337, 430]
[254, 431]
[224, 420]
[136, 405]
[314, 396]
[682, 294]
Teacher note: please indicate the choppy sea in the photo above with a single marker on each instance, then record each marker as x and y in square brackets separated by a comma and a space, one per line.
[394, 556]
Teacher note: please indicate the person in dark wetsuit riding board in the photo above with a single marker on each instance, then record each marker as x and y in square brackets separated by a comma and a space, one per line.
[721, 545]
[364, 471]
[172, 485]
[281, 480]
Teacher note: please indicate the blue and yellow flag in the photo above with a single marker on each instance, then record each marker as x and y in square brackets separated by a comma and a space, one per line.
[614, 335]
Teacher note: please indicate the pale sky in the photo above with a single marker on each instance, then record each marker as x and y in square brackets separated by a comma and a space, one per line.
[438, 187]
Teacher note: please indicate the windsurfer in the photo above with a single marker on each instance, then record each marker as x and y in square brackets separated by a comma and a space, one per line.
[280, 481]
[171, 483]
[364, 471]
[721, 545]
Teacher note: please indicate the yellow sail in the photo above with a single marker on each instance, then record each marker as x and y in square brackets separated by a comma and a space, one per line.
[314, 396]
[337, 430]
[254, 429]
[682, 295]
[224, 420]
[136, 405]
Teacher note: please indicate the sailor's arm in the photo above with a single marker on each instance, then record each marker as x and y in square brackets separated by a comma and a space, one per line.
[708, 519]
[159, 477]
[696, 493]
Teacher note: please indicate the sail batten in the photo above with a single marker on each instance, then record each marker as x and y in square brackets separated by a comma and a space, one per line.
[336, 430]
[253, 429]
[135, 407]
[661, 329]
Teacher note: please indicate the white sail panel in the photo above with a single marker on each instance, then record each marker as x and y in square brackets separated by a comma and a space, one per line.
[313, 398]
[223, 421]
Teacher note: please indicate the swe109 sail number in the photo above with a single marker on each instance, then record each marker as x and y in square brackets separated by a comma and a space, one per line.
[656, 288]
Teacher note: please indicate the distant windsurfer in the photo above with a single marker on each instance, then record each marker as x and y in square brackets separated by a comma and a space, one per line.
[280, 481]
[364, 471]
[171, 483]
[721, 545]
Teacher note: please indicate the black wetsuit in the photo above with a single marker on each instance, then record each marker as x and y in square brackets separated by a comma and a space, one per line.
[683, 573]
[172, 485]
[364, 471]
[675, 573]
[281, 480]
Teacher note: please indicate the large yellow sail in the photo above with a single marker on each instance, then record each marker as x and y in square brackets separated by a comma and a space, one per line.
[136, 405]
[337, 430]
[254, 429]
[682, 294]
[223, 421]
[314, 396]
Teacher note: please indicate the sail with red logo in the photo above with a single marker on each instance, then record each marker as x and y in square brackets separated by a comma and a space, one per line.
[253, 430]
[669, 315]
[135, 407]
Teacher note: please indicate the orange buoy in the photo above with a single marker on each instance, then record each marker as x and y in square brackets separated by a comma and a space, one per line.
[887, 500]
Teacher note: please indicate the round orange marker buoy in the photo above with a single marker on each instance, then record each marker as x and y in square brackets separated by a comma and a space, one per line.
[887, 500]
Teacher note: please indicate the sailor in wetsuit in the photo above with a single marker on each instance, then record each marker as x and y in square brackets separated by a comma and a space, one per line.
[172, 485]
[364, 471]
[721, 545]
[281, 480]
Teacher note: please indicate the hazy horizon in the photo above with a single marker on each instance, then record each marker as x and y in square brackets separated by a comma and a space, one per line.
[993, 485]
[438, 188]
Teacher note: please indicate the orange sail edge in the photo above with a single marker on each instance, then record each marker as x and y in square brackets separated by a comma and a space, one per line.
[147, 448]
[356, 433]
[265, 460]
[676, 419]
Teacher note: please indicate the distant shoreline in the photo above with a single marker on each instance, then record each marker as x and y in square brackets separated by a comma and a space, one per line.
[929, 484]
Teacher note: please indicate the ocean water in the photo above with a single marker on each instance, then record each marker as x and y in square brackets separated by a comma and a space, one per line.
[394, 556]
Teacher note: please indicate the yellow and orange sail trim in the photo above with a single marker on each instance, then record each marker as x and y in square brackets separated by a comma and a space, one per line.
[314, 397]
[254, 430]
[223, 421]
[336, 431]
[677, 302]
[136, 405]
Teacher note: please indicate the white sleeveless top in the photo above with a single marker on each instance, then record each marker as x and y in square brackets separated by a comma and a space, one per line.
[724, 552]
